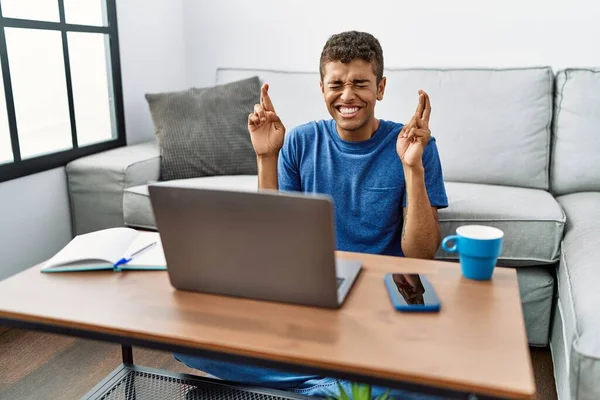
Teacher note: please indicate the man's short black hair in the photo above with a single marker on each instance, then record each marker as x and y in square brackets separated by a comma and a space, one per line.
[353, 45]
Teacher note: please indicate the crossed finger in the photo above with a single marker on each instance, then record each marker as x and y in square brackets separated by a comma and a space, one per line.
[265, 99]
[418, 126]
[420, 106]
[424, 107]
[427, 110]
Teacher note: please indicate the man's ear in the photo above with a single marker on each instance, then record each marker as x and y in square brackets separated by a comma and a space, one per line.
[381, 89]
[322, 87]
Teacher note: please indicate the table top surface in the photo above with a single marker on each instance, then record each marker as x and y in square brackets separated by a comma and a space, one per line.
[477, 342]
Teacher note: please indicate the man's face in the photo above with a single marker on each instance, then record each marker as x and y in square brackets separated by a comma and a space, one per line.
[350, 92]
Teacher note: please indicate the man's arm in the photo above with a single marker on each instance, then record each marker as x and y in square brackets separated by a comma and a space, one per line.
[421, 234]
[280, 171]
[267, 172]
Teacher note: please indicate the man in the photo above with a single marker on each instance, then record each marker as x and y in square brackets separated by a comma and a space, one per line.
[371, 168]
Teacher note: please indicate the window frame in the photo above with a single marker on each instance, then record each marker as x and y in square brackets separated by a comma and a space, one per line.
[18, 167]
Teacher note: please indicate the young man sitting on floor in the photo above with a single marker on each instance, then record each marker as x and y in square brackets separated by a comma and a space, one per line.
[385, 179]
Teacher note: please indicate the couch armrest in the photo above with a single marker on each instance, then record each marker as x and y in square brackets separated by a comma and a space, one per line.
[96, 184]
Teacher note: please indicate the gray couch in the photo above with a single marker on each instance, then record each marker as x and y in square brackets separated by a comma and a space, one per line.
[520, 150]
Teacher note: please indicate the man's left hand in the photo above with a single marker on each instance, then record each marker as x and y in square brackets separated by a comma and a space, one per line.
[415, 135]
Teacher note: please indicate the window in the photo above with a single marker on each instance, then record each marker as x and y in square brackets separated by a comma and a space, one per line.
[61, 83]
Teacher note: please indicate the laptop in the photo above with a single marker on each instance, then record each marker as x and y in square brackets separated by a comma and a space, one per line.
[262, 245]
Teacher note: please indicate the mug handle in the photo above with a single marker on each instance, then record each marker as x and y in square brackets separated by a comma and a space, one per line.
[448, 239]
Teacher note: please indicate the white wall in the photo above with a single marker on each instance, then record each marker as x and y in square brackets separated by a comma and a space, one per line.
[153, 59]
[290, 34]
[34, 220]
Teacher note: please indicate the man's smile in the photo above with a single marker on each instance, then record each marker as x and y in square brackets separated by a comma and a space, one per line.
[348, 111]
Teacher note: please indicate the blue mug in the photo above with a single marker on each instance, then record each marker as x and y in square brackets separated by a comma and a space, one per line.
[478, 248]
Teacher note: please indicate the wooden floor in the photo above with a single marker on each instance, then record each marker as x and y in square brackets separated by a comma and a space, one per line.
[44, 366]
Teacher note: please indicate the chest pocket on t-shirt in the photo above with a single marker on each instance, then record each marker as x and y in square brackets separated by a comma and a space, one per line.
[381, 208]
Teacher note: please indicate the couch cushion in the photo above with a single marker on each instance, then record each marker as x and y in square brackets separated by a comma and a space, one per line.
[204, 132]
[536, 286]
[576, 144]
[497, 120]
[96, 184]
[579, 292]
[137, 209]
[531, 219]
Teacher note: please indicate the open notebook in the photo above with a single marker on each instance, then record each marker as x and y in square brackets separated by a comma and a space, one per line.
[110, 249]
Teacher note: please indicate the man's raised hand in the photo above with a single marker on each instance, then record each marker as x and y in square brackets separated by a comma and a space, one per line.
[415, 135]
[265, 127]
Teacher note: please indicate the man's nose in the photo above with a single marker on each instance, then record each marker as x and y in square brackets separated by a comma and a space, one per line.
[347, 94]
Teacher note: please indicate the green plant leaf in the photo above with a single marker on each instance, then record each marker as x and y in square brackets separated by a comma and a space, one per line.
[360, 392]
[368, 390]
[384, 396]
[343, 394]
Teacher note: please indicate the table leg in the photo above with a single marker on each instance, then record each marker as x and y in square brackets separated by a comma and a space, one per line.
[127, 352]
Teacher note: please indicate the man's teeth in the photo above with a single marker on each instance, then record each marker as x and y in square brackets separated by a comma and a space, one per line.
[346, 110]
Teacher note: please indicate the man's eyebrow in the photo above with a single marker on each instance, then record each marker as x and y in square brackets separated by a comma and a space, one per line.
[335, 82]
[359, 81]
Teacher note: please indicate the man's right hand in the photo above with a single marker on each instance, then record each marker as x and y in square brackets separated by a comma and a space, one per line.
[265, 127]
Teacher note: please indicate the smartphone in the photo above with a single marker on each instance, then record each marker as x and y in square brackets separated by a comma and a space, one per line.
[412, 292]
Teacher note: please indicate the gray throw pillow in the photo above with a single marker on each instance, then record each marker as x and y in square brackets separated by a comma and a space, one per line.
[204, 131]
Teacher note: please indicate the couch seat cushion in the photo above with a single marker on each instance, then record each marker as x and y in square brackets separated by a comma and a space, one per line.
[137, 209]
[531, 219]
[579, 292]
[536, 286]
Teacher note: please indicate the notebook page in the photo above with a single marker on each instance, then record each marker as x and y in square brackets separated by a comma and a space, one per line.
[107, 245]
[153, 256]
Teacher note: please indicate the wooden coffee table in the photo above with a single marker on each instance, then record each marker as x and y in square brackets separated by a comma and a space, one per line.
[475, 345]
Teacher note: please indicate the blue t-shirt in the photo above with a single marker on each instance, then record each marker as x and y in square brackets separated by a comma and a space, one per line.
[365, 180]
